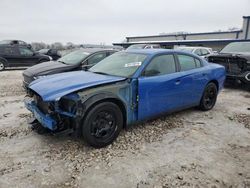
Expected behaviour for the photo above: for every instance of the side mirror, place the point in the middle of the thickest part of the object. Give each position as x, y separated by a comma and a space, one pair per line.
85, 67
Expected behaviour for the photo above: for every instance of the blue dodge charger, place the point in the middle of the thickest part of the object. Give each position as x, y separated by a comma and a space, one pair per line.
125, 88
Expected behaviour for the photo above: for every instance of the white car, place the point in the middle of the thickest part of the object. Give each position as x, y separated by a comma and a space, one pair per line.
200, 51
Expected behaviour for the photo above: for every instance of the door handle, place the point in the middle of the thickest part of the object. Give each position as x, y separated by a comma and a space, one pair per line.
177, 82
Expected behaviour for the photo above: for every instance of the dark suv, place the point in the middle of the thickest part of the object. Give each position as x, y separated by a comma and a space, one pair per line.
19, 56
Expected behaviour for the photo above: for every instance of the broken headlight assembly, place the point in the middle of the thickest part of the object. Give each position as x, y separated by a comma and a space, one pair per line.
69, 103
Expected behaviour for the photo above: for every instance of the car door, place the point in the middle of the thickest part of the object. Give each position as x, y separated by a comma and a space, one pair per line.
11, 54
159, 89
193, 79
93, 59
27, 57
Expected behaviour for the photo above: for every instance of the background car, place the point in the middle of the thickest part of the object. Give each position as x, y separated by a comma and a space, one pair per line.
198, 50
235, 57
144, 46
124, 88
19, 56
53, 53
81, 59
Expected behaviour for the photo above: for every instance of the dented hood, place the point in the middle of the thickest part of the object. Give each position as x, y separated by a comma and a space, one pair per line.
54, 87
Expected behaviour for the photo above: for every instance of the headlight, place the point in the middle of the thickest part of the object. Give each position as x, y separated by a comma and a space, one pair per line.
38, 77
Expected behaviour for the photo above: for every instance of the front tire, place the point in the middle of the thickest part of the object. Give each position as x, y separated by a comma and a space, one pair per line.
102, 124
209, 97
2, 67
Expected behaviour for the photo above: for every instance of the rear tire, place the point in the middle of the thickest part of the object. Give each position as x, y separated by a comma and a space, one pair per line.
2, 66
209, 97
102, 124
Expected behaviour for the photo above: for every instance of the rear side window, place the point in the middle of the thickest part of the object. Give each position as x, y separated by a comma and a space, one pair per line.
198, 52
9, 51
96, 58
186, 62
198, 63
25, 52
160, 65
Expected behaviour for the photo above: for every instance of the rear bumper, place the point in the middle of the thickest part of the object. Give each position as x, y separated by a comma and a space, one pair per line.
46, 120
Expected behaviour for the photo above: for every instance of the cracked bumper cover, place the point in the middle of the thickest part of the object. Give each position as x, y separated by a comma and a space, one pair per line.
46, 120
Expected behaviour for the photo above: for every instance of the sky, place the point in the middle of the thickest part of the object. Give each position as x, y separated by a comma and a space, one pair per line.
108, 21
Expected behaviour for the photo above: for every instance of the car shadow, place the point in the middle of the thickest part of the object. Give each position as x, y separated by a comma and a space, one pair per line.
237, 86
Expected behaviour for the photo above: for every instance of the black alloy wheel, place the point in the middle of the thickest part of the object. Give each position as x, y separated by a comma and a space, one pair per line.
102, 124
209, 97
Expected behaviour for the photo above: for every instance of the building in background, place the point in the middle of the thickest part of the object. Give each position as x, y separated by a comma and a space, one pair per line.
215, 40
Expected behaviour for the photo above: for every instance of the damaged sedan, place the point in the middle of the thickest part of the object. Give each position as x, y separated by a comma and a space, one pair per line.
123, 89
235, 57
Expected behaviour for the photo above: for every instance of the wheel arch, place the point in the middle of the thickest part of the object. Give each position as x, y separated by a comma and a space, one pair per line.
215, 82
100, 98
5, 61
41, 60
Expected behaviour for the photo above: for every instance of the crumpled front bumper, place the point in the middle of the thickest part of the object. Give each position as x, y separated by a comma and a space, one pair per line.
46, 120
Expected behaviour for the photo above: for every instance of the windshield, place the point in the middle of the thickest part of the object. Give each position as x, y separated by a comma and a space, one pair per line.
237, 47
73, 58
119, 64
136, 46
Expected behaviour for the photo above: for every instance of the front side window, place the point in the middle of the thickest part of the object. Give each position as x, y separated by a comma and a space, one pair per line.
25, 52
186, 62
119, 64
198, 52
96, 58
160, 65
204, 52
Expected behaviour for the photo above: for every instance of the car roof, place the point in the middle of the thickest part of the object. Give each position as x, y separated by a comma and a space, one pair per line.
193, 47
93, 50
152, 51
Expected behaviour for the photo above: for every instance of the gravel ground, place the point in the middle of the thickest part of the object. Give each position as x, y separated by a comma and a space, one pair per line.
189, 148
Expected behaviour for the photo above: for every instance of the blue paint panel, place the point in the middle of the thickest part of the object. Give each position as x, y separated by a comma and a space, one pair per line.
52, 87
158, 94
45, 120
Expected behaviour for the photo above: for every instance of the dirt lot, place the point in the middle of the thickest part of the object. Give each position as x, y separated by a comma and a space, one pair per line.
189, 148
